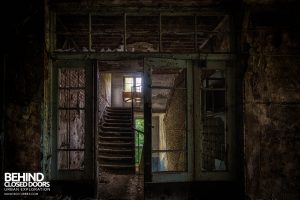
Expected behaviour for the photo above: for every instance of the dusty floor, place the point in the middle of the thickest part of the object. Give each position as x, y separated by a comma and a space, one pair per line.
121, 187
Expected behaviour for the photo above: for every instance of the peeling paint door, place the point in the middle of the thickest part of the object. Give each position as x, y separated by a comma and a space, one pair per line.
72, 127
168, 96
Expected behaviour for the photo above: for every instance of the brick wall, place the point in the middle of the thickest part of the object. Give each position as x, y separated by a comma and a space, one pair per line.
175, 126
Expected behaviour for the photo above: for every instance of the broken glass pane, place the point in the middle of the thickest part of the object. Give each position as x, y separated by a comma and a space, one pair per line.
214, 156
213, 79
214, 101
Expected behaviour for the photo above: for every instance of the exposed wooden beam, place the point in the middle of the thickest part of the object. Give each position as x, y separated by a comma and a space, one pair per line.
135, 55
125, 31
141, 11
214, 31
160, 34
195, 33
90, 32
68, 37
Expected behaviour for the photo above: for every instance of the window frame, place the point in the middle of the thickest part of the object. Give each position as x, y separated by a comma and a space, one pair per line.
134, 83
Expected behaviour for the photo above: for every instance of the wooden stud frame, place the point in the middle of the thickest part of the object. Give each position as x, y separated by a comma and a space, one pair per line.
129, 12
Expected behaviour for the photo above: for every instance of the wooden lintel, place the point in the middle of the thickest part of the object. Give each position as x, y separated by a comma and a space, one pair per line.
134, 55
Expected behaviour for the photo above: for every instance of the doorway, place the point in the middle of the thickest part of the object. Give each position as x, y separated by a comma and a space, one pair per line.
120, 127
169, 121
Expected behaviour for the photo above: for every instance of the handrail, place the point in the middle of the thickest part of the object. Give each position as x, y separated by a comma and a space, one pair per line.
133, 89
138, 131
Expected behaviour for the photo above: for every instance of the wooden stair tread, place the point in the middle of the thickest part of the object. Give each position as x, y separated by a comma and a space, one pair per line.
116, 141
117, 165
116, 157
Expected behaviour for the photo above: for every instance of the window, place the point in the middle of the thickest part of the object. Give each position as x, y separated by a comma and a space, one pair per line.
132, 89
132, 84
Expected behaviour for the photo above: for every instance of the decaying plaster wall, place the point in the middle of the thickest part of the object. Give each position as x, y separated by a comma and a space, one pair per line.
23, 53
117, 88
104, 92
271, 103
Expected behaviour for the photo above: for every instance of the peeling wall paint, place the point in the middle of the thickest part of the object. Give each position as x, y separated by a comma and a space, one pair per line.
272, 126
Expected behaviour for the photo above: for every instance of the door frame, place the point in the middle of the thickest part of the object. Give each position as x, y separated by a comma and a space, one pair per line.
150, 63
230, 173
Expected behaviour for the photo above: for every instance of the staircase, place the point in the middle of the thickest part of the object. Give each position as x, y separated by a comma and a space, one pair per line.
116, 141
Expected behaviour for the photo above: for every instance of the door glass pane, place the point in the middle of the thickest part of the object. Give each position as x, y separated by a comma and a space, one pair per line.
169, 103
169, 161
214, 155
71, 119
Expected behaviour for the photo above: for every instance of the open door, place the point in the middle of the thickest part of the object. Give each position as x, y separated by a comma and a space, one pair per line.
189, 120
72, 127
168, 120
